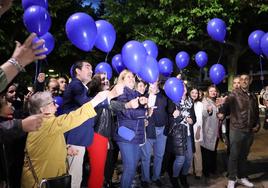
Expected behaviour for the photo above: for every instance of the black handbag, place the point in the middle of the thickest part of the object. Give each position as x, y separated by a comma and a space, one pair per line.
63, 181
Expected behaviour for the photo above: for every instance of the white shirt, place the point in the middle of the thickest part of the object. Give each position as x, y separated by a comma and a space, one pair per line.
198, 109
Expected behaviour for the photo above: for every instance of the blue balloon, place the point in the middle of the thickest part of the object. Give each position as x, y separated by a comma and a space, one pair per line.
264, 44
151, 48
134, 55
71, 71
58, 100
254, 41
49, 43
149, 72
104, 67
201, 59
216, 29
27, 3
37, 20
105, 36
182, 59
216, 73
81, 30
117, 63
174, 89
165, 66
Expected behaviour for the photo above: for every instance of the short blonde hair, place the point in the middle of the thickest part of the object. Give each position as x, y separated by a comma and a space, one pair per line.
122, 76
37, 101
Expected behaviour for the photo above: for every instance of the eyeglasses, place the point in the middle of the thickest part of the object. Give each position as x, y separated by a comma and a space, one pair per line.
51, 102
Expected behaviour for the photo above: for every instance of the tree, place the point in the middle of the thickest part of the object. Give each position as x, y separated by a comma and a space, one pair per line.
181, 25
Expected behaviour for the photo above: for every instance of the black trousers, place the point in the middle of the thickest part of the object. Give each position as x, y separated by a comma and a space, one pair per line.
209, 161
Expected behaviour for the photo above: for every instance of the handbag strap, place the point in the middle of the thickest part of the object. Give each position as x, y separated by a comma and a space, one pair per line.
31, 167
34, 173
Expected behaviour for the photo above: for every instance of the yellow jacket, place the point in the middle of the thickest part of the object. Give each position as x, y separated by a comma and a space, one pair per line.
47, 147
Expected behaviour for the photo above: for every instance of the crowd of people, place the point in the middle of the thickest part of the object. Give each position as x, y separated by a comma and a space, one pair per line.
41, 138
182, 137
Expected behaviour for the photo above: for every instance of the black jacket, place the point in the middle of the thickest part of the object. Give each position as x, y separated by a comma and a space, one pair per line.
104, 122
10, 130
159, 117
12, 143
177, 131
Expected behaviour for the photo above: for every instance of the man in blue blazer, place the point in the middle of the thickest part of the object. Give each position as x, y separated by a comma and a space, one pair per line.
75, 95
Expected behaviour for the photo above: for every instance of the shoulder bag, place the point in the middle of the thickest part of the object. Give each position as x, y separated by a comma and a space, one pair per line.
63, 181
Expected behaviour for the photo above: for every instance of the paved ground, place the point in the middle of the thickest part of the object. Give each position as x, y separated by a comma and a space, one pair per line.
258, 168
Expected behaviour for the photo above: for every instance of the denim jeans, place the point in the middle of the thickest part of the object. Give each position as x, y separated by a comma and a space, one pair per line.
158, 145
130, 154
183, 162
240, 143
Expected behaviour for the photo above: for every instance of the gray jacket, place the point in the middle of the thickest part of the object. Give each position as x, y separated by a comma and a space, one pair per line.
210, 125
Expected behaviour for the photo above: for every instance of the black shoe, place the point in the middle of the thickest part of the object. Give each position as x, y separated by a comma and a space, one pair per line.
175, 182
144, 184
158, 183
107, 184
183, 179
115, 184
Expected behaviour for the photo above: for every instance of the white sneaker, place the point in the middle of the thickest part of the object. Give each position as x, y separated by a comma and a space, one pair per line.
245, 182
231, 184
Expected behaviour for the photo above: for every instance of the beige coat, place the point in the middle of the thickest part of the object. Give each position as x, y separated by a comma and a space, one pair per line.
47, 147
210, 125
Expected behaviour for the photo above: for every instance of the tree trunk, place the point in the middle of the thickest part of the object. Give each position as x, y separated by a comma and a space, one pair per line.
232, 66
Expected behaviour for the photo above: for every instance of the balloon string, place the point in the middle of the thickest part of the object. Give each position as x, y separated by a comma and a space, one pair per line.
261, 61
221, 53
200, 75
106, 57
36, 71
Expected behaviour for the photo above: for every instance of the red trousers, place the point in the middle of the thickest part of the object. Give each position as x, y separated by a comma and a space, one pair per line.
97, 153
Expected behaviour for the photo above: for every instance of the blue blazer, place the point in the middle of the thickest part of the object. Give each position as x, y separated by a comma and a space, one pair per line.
75, 95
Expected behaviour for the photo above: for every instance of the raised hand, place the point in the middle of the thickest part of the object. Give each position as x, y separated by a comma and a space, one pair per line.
28, 52
134, 103
176, 113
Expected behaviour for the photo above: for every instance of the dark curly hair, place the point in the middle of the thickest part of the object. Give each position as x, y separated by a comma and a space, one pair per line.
95, 85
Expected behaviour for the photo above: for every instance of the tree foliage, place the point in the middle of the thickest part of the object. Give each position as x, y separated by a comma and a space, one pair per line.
174, 25
172, 22
181, 25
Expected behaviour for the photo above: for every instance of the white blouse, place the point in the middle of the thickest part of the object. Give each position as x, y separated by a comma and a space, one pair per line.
198, 109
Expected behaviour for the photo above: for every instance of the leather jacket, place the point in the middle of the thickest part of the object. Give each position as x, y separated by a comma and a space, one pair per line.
10, 130
176, 131
103, 122
244, 110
